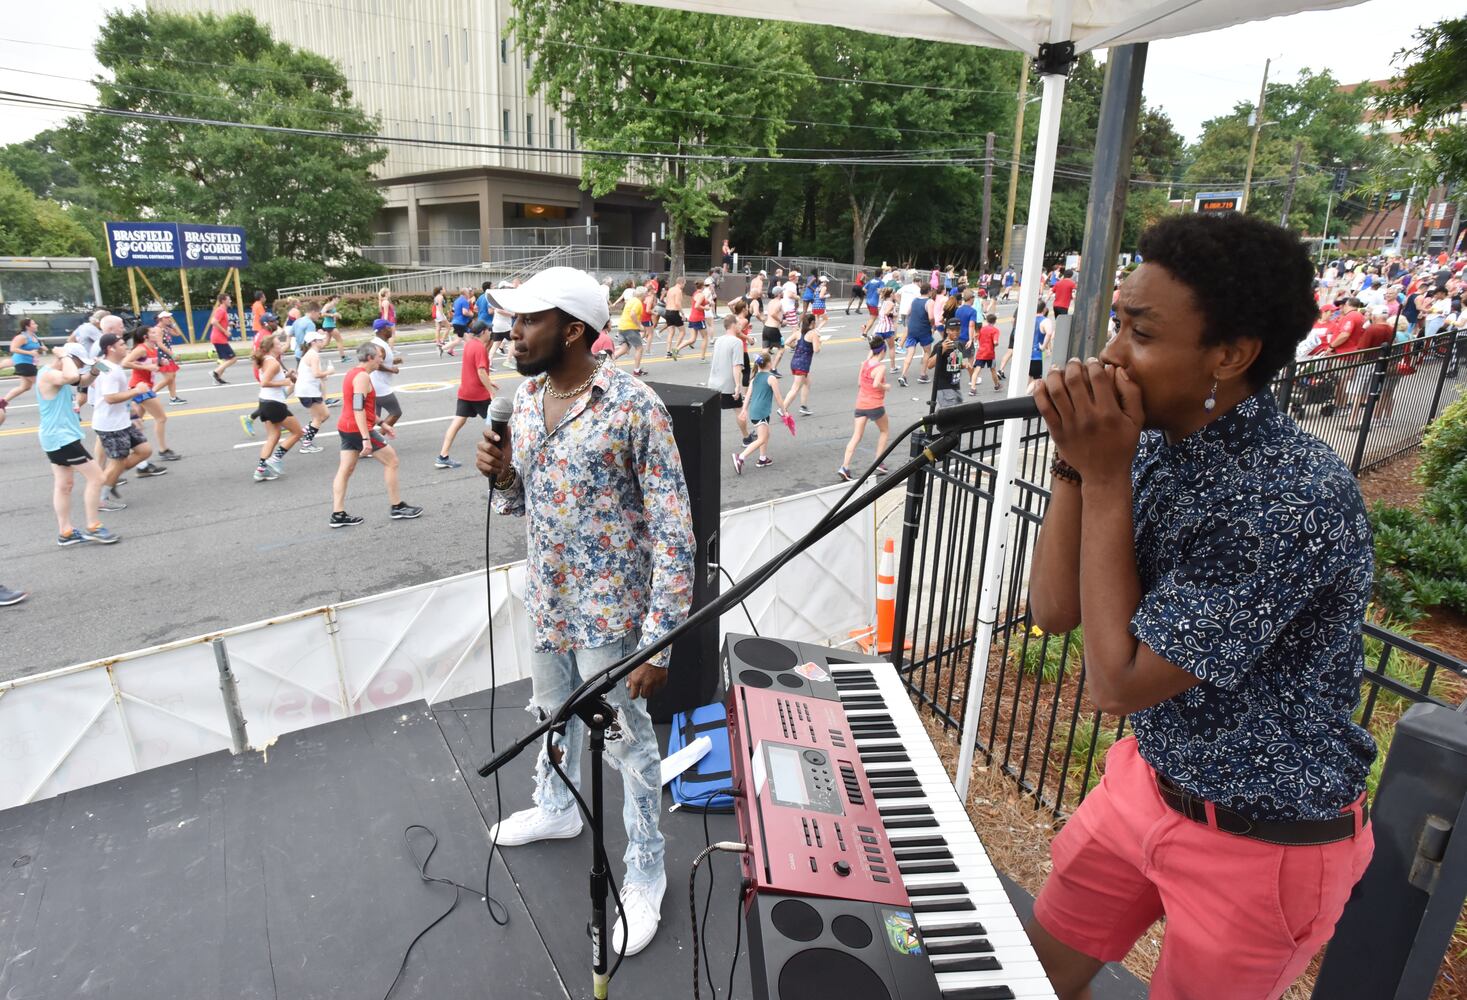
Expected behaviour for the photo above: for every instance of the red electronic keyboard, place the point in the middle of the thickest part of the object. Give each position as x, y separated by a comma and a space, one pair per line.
864, 877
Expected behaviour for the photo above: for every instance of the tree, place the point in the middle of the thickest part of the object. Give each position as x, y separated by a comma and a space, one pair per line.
1429, 96
308, 198
611, 71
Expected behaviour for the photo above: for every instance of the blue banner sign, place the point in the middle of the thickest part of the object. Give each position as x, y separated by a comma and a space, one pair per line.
143, 244
175, 244
212, 246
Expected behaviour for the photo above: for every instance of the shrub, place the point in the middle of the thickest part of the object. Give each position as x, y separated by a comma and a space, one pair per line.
1421, 556
359, 310
1049, 655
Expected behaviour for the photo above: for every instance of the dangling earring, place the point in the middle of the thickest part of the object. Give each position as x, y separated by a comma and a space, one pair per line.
1210, 403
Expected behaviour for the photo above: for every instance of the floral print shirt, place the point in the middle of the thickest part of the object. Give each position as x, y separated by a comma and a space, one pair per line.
1256, 562
610, 527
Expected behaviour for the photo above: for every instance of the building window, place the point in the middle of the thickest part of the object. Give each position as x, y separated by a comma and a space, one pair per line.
448, 125
504, 50
433, 127
572, 138
506, 127
465, 42
447, 50
428, 58
529, 130
468, 129
412, 62
550, 134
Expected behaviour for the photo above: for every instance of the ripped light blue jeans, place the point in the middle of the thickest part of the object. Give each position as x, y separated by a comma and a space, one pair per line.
632, 750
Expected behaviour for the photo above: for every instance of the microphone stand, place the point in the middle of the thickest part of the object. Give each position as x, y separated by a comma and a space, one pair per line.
588, 702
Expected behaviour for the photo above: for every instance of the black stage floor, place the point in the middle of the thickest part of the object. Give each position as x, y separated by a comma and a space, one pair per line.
286, 875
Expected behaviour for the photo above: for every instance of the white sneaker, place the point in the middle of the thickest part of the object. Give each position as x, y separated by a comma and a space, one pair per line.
530, 825
642, 902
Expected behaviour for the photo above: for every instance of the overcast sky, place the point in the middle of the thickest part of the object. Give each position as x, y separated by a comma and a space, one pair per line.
1192, 79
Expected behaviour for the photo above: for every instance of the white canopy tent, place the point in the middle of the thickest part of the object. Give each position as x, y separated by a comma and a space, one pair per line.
1054, 32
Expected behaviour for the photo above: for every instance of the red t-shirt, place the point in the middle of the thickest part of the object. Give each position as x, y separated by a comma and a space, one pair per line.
1064, 293
476, 359
987, 342
1353, 324
219, 326
1375, 335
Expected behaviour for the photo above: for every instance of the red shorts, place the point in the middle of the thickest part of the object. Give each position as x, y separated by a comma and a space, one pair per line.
873, 309
1238, 911
817, 312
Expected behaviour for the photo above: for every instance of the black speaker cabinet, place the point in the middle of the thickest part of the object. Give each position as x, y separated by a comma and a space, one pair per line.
693, 677
802, 947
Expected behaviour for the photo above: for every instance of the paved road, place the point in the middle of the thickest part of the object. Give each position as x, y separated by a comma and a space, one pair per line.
205, 547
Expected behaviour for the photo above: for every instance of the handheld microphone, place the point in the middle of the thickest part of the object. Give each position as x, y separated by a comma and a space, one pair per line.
499, 413
967, 416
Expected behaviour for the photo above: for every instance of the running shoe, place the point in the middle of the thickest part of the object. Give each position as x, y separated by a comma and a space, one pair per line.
310, 449
263, 474
444, 462
738, 461
805, 411
169, 455
120, 482
149, 471
99, 533
749, 438
440, 349
508, 365
176, 401
72, 537
341, 519
764, 462
217, 378
403, 511
110, 502
882, 470
247, 424
9, 597
639, 372
902, 381
333, 401
275, 465
923, 380
843, 473
972, 390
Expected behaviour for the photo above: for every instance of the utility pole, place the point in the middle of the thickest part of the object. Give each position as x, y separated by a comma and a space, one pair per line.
1324, 240
1008, 222
1253, 145
987, 198
1405, 218
1293, 179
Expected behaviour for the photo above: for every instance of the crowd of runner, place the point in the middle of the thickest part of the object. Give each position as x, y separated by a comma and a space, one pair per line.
919, 326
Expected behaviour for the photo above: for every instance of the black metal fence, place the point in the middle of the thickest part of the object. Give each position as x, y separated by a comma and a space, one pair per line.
1034, 720
1371, 406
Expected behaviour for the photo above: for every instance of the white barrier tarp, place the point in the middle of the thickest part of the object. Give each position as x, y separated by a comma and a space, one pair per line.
102, 720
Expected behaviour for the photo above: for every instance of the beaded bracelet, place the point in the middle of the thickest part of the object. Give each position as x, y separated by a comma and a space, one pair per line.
1061, 469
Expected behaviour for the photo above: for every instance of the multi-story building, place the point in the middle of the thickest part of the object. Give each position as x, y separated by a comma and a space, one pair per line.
449, 70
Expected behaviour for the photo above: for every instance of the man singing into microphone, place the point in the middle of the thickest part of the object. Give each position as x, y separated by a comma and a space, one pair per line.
592, 461
1220, 561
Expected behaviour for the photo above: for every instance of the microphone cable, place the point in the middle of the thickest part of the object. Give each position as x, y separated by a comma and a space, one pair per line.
501, 918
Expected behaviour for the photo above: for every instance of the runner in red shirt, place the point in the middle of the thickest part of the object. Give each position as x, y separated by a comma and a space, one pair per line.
219, 337
358, 411
987, 349
1352, 328
474, 392
1064, 293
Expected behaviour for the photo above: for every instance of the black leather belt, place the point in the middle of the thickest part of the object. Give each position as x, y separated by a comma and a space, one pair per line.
1295, 833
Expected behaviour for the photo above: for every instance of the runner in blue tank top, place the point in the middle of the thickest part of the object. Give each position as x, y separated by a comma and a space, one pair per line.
61, 439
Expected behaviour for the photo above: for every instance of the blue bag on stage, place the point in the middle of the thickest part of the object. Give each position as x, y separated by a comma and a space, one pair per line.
704, 785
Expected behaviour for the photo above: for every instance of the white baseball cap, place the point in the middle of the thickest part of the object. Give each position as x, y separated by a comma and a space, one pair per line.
78, 353
315, 336
568, 289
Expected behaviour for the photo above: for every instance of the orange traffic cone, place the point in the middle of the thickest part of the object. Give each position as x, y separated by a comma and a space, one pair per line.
885, 605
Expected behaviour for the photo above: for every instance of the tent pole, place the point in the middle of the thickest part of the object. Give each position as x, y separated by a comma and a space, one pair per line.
1110, 181
1054, 64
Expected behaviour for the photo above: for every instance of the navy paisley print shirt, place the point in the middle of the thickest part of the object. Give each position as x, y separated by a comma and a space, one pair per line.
1255, 558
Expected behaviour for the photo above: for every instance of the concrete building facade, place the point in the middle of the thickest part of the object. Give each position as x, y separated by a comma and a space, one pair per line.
448, 70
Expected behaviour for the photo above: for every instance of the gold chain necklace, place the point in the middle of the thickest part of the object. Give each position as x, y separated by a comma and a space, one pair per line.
550, 390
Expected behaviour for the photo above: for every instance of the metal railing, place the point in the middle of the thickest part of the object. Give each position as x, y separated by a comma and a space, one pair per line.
1371, 406
1034, 721
615, 263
